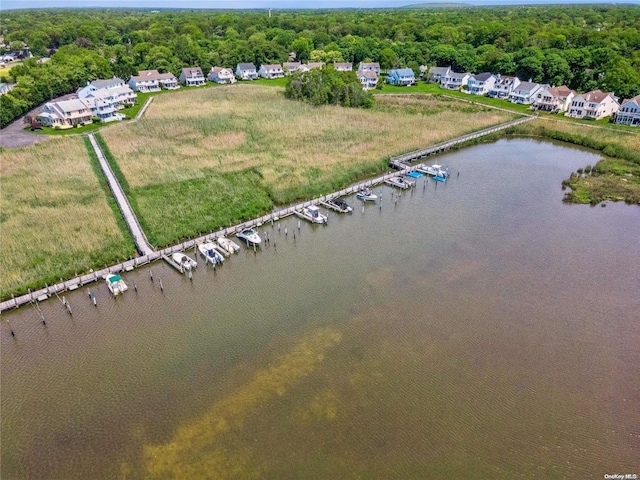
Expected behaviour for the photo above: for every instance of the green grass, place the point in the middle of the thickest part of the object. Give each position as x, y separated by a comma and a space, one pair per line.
276, 82
91, 127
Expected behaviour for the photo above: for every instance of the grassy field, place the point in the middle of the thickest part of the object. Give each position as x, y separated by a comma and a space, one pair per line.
208, 158
617, 177
55, 219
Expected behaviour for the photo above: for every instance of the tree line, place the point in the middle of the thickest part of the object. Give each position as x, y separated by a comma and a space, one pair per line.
584, 47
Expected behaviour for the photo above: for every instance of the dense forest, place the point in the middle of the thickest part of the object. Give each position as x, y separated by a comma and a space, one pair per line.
584, 47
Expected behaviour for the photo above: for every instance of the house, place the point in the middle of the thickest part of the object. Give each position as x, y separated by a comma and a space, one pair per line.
503, 86
104, 108
192, 77
271, 71
246, 71
108, 83
454, 81
6, 88
105, 97
290, 67
401, 77
594, 105
525, 93
554, 99
436, 74
152, 80
481, 83
222, 75
343, 67
629, 112
374, 67
368, 79
65, 114
310, 66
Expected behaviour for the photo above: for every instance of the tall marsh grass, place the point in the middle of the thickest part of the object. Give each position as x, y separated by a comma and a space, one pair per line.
55, 219
190, 144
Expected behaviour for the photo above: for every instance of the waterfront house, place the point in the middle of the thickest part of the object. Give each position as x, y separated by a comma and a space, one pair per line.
401, 77
503, 86
525, 93
6, 88
152, 81
554, 99
436, 74
629, 112
192, 77
271, 71
105, 98
373, 66
221, 75
65, 114
455, 81
368, 79
290, 67
310, 66
343, 66
246, 71
593, 105
480, 83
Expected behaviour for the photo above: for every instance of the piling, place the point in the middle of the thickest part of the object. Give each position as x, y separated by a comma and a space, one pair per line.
161, 286
151, 274
95, 302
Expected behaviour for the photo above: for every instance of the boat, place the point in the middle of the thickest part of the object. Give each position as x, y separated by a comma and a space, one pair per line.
399, 182
250, 236
186, 262
210, 253
339, 205
366, 195
228, 245
115, 284
435, 171
312, 214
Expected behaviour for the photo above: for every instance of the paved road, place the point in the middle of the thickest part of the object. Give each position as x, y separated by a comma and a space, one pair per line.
127, 212
14, 135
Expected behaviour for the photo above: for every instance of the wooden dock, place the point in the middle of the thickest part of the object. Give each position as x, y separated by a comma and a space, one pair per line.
149, 255
401, 162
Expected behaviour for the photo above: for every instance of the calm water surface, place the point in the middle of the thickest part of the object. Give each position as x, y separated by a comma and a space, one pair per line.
477, 329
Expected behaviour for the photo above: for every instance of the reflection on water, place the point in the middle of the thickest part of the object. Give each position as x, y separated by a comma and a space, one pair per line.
479, 328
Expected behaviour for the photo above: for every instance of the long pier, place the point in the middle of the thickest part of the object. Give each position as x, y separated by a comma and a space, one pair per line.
401, 162
148, 254
140, 239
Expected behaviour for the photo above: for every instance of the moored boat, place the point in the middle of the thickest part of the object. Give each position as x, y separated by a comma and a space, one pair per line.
250, 236
186, 262
366, 195
210, 253
228, 245
312, 214
115, 284
399, 182
338, 204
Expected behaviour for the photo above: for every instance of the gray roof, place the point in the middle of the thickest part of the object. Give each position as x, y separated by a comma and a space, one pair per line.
458, 75
246, 66
439, 70
482, 77
527, 86
107, 83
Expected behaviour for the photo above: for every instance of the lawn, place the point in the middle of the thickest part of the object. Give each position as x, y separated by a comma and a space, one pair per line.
56, 218
210, 157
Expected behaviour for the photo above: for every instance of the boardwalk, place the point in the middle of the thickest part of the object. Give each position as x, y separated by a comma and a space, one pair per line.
140, 239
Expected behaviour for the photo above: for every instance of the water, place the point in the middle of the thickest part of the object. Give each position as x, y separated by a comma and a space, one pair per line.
475, 329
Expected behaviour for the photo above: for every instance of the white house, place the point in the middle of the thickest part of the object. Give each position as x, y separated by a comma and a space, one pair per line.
65, 114
310, 66
481, 83
593, 105
525, 93
290, 67
192, 77
436, 74
629, 112
455, 81
222, 75
554, 99
105, 101
152, 80
373, 66
246, 71
503, 86
6, 88
271, 71
343, 67
368, 79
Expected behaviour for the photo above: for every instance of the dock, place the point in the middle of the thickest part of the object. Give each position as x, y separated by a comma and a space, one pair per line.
173, 264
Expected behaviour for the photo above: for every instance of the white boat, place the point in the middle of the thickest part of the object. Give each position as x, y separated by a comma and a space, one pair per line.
228, 245
339, 205
186, 262
250, 236
399, 182
434, 170
210, 253
115, 284
366, 195
312, 214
